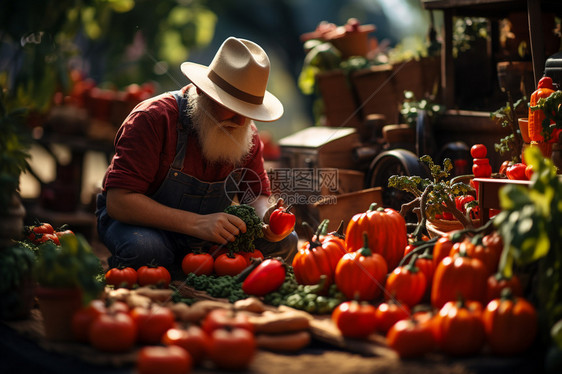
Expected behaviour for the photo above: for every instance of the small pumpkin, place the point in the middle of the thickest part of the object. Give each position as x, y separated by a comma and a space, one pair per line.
406, 284
316, 258
387, 233
510, 323
459, 275
360, 275
476, 247
459, 328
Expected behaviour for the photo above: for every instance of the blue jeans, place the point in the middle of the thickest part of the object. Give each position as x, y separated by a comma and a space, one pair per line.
136, 246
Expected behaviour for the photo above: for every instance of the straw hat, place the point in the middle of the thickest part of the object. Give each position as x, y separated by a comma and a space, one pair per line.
237, 78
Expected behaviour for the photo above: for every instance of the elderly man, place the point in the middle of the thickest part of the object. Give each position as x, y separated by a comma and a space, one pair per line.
166, 189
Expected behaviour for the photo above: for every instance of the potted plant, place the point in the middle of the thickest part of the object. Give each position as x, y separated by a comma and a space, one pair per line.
438, 203
14, 145
510, 116
68, 276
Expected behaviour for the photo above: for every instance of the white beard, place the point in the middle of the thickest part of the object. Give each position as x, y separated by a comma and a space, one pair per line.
220, 141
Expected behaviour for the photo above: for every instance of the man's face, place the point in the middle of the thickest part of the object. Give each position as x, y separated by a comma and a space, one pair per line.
224, 135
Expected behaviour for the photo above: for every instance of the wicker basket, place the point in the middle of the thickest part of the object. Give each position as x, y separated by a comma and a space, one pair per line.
439, 227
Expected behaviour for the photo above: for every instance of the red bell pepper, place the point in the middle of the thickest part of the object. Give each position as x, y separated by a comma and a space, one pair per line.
281, 221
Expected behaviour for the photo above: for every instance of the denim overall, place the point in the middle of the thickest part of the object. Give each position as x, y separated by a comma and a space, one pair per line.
138, 245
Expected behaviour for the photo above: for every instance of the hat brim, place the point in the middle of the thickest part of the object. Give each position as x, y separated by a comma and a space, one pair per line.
269, 110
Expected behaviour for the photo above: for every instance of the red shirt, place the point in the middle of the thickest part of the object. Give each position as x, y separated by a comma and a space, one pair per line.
145, 146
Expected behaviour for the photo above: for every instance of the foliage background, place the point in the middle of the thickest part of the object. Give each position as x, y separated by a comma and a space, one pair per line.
119, 42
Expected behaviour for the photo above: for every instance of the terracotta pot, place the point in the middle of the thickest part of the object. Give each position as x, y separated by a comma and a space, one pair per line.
57, 306
524, 128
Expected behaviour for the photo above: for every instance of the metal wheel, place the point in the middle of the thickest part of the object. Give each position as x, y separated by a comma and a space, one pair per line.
394, 162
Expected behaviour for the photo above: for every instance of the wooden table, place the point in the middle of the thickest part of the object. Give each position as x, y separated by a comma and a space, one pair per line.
488, 194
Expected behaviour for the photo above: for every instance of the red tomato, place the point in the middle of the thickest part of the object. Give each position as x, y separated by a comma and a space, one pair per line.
41, 233
516, 171
124, 277
83, 318
198, 263
113, 332
169, 360
193, 339
63, 233
388, 313
230, 264
225, 318
152, 323
478, 151
232, 349
281, 221
529, 172
354, 319
481, 168
155, 275
256, 253
267, 277
504, 166
411, 338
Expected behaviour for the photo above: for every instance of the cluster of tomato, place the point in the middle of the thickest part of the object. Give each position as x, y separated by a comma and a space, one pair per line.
219, 261
227, 339
44, 232
147, 275
453, 300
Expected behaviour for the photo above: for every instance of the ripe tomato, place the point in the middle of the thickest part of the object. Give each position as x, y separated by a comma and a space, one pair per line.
193, 339
124, 277
478, 151
256, 253
152, 323
113, 332
267, 277
154, 275
232, 349
230, 264
198, 263
354, 319
83, 318
388, 313
41, 233
169, 360
516, 171
63, 233
225, 318
411, 338
281, 221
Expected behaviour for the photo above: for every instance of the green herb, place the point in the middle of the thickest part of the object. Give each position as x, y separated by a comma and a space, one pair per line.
244, 242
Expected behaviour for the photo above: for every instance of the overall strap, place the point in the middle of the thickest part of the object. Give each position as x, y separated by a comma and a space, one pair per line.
183, 127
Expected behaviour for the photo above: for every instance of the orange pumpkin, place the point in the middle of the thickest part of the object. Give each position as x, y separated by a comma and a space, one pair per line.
456, 276
476, 248
386, 230
316, 258
360, 275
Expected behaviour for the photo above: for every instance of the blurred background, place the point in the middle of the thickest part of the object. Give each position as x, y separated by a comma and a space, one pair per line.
51, 52
79, 66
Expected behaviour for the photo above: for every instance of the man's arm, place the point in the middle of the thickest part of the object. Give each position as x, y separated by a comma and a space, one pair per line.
138, 209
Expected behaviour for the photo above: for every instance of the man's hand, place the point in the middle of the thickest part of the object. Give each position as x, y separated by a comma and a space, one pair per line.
220, 228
